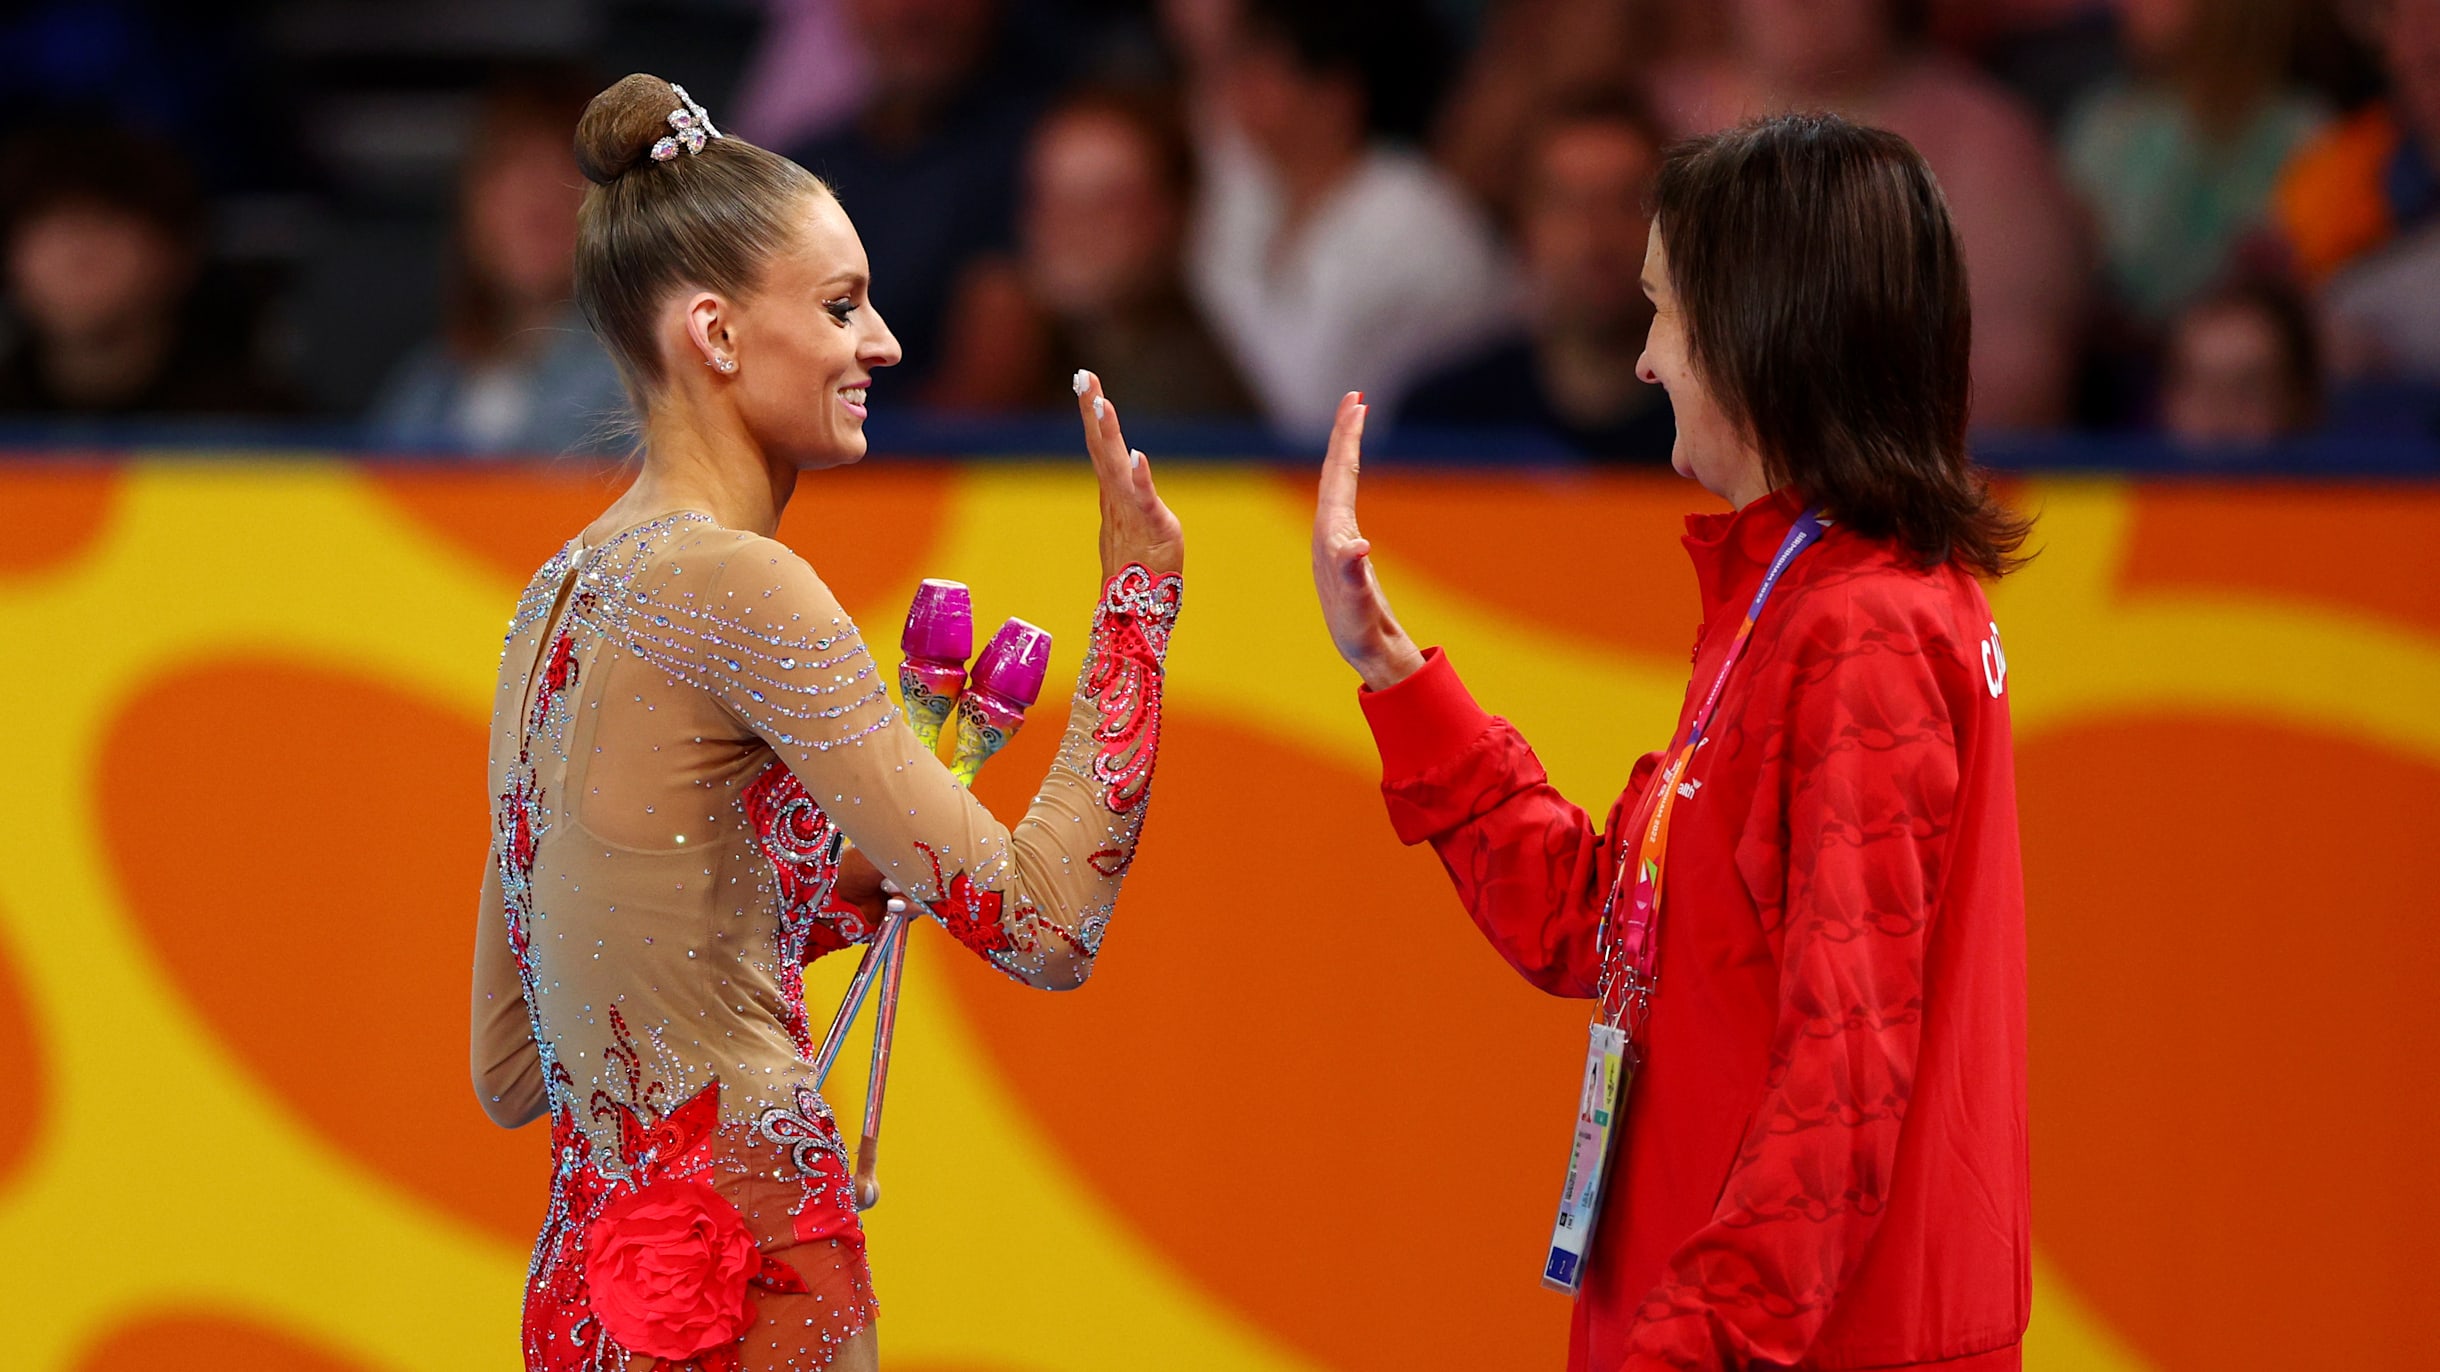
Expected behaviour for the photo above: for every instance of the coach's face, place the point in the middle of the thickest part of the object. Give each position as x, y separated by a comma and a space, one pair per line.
1710, 449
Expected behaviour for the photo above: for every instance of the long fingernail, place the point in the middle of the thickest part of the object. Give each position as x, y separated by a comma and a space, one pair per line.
1100, 407
1135, 457
1081, 380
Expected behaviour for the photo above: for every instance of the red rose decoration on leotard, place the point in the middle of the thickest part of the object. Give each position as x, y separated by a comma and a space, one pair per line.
667, 1270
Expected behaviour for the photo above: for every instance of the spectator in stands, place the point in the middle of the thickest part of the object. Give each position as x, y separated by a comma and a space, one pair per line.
2049, 53
516, 368
807, 77
929, 165
2243, 370
1532, 52
1866, 59
1098, 281
2178, 160
1328, 257
1583, 227
104, 251
2360, 210
1198, 35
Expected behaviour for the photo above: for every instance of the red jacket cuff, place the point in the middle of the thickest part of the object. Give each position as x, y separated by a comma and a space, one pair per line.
1423, 721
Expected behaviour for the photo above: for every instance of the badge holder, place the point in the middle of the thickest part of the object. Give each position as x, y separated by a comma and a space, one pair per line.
1609, 1068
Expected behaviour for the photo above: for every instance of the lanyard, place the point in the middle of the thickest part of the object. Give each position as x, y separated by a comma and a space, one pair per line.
1626, 976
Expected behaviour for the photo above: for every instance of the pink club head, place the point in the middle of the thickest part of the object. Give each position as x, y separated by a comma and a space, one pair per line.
940, 624
1014, 664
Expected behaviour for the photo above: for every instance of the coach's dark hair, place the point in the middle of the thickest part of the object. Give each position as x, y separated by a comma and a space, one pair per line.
710, 220
1825, 303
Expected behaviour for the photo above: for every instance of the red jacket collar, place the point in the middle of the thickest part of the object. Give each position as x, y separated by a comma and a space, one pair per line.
1731, 551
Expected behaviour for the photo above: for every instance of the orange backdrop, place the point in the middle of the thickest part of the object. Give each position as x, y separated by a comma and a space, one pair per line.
1302, 1118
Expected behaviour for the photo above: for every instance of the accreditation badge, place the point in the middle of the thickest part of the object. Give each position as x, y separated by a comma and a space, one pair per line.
1609, 1065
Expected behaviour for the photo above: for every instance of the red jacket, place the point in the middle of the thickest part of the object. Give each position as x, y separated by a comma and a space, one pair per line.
1823, 1161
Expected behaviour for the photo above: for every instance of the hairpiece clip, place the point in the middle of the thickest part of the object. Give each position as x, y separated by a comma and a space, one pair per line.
692, 127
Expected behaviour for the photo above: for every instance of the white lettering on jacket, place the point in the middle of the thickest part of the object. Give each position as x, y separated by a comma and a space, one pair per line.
1995, 663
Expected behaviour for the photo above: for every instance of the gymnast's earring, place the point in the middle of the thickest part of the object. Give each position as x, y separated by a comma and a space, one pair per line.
724, 365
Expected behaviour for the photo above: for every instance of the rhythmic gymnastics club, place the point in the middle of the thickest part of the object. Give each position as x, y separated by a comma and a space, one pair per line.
1007, 681
937, 640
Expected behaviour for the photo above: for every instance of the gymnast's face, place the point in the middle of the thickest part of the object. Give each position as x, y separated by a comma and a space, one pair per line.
1709, 447
806, 344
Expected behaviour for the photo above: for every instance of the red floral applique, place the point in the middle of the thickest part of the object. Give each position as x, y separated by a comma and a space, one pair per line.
780, 1277
800, 841
810, 1135
517, 815
673, 1140
1126, 684
517, 804
970, 913
651, 1256
667, 1268
983, 921
1130, 637
560, 672
802, 845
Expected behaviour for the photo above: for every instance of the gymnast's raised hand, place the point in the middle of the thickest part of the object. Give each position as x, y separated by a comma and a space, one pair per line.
1136, 526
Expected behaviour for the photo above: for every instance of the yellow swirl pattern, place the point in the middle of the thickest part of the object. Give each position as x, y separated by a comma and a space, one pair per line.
241, 1206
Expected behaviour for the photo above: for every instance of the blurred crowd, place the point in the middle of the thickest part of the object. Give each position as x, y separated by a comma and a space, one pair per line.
2214, 219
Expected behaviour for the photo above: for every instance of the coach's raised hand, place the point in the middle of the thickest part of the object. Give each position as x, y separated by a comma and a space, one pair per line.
1361, 625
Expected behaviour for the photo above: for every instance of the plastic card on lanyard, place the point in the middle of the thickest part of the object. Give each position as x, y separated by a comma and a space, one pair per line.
1625, 982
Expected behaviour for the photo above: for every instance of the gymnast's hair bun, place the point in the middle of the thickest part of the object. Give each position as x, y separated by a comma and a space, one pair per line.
621, 125
675, 204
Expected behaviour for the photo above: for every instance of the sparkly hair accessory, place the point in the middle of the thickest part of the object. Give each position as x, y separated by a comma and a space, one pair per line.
692, 127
